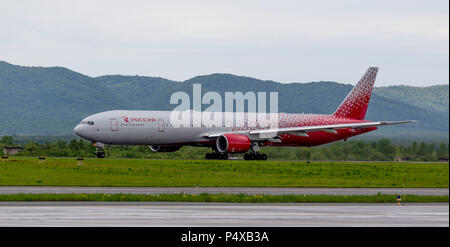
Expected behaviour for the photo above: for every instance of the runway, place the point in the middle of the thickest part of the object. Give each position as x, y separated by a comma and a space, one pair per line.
220, 214
225, 190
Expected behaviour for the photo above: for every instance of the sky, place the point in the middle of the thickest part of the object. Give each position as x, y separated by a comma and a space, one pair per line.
284, 41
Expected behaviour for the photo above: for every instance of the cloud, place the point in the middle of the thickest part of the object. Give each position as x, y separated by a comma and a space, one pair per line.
283, 40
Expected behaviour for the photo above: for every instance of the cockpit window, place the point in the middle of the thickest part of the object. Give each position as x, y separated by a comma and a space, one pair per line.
87, 122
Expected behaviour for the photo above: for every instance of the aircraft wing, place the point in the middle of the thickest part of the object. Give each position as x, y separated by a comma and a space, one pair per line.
302, 131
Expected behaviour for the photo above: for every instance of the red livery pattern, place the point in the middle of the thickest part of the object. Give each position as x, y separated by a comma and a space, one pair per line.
355, 104
317, 137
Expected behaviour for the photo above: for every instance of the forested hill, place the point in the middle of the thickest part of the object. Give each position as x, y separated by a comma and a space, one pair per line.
52, 100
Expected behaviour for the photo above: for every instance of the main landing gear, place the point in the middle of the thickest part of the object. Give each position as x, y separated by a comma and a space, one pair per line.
254, 153
255, 156
224, 156
216, 156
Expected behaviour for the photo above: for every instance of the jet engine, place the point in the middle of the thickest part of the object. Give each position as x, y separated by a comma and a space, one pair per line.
164, 149
233, 143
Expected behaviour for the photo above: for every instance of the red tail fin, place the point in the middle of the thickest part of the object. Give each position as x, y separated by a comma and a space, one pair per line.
355, 104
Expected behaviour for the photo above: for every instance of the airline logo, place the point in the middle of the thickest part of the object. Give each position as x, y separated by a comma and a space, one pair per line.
141, 119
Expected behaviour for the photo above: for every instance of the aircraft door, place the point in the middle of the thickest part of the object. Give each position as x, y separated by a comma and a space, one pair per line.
161, 125
114, 124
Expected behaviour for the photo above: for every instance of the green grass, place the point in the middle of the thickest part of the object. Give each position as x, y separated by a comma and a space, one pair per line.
207, 173
240, 198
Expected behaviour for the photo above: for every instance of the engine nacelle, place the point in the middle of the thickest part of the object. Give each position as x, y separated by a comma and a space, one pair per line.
233, 143
164, 149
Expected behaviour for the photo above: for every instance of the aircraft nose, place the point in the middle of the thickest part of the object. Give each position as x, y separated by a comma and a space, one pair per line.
77, 129
84, 131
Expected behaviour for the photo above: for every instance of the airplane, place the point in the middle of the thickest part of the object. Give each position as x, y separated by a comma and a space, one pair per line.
154, 128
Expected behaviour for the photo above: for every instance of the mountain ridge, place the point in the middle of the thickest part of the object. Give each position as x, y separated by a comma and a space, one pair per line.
54, 99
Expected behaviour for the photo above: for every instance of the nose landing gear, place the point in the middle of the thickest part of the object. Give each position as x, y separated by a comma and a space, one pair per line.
100, 154
99, 149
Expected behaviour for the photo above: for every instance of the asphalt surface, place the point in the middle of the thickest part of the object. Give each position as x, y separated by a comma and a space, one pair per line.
226, 190
220, 214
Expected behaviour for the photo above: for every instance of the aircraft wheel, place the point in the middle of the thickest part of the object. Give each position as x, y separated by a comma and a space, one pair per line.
246, 156
100, 155
252, 157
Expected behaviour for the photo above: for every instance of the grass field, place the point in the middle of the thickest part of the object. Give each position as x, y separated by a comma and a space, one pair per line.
240, 198
146, 172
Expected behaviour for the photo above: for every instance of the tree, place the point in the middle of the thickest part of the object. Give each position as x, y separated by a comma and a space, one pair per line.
384, 146
442, 152
7, 140
32, 147
414, 149
422, 149
61, 144
74, 146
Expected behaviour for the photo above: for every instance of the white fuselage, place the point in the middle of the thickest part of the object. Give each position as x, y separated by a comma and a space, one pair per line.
127, 127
